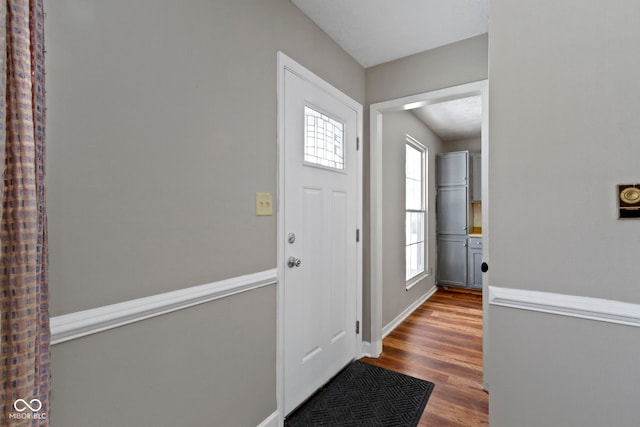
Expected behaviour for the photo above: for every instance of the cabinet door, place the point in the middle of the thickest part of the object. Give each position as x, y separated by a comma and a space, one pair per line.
452, 261
452, 210
476, 178
474, 264
452, 168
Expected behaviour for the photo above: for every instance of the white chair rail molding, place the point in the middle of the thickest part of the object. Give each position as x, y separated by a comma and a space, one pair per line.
598, 309
82, 323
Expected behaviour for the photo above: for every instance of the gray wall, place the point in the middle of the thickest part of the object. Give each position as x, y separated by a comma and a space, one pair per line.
179, 369
446, 66
161, 128
395, 127
451, 65
564, 93
470, 144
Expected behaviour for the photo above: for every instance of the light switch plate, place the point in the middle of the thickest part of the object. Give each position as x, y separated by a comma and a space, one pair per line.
264, 204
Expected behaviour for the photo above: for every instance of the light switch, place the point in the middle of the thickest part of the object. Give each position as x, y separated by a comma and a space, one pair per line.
264, 204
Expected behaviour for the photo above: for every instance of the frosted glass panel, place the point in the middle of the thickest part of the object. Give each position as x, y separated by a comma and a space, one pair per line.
323, 139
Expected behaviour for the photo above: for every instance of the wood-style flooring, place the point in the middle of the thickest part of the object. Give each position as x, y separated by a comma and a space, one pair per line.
441, 342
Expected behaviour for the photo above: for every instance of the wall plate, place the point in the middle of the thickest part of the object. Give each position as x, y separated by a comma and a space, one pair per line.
264, 204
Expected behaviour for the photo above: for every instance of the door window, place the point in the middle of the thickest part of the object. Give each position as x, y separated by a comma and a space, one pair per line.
323, 140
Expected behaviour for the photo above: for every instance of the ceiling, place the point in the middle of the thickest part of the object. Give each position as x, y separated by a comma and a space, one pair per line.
378, 31
453, 120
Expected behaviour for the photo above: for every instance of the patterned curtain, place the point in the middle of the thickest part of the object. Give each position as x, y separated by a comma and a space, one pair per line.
24, 326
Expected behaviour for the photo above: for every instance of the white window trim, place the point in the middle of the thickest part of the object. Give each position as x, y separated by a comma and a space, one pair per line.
412, 281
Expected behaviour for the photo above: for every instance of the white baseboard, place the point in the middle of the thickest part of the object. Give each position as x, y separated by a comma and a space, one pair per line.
366, 349
270, 421
75, 325
597, 309
386, 330
376, 348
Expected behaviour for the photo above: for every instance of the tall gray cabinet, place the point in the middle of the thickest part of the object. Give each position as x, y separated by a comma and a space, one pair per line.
458, 264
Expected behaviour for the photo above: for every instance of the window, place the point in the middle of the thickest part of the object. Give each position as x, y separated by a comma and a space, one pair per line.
323, 140
415, 221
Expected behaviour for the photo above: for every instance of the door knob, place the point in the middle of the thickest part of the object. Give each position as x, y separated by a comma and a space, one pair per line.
294, 262
484, 267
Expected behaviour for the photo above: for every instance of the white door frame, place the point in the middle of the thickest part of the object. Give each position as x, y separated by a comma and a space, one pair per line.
285, 63
375, 153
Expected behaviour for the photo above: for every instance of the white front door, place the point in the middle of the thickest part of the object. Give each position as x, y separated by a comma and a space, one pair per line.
320, 254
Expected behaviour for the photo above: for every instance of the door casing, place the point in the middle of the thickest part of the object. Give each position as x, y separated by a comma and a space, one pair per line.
286, 63
374, 348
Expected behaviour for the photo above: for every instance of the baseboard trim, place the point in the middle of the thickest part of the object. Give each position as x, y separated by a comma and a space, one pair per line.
598, 309
79, 324
366, 349
270, 421
407, 312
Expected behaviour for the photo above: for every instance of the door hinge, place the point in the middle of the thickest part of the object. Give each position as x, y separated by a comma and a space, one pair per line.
357, 235
357, 143
357, 326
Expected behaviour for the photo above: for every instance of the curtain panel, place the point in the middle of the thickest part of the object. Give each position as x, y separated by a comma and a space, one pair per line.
24, 325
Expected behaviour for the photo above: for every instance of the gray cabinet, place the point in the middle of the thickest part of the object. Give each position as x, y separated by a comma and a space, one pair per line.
452, 168
452, 217
474, 263
476, 177
452, 200
452, 260
452, 210
459, 183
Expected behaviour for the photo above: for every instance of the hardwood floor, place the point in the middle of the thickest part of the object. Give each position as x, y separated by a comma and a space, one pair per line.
441, 342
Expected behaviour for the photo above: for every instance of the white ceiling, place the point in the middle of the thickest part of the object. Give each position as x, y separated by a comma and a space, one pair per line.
379, 31
453, 120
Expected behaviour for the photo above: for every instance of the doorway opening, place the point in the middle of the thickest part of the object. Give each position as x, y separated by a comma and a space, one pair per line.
377, 110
